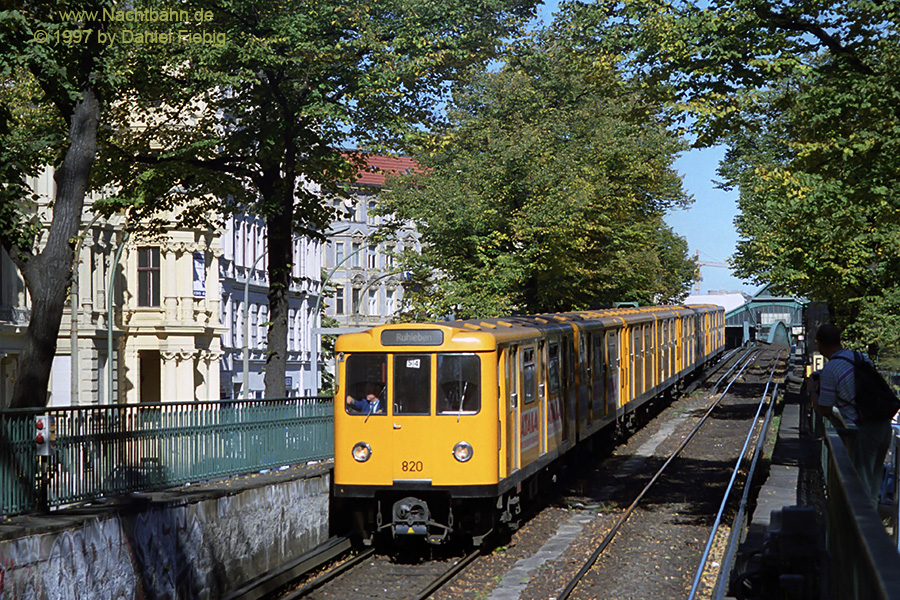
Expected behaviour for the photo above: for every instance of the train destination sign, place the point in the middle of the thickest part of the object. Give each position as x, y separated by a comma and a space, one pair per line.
412, 337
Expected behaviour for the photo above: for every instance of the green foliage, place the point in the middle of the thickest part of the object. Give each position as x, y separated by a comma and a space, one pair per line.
544, 193
288, 85
327, 387
806, 96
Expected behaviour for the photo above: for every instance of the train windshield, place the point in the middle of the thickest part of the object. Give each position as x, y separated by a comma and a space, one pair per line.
412, 384
458, 376
366, 377
457, 387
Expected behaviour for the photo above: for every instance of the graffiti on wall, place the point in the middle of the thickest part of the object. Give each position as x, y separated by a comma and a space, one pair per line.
191, 551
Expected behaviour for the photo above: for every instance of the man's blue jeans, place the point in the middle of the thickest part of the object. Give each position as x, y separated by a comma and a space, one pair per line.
870, 446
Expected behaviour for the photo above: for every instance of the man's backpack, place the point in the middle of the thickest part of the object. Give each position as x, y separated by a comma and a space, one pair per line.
875, 400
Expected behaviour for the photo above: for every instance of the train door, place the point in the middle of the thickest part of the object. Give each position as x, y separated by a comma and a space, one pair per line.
648, 357
567, 388
677, 343
530, 409
662, 345
598, 404
584, 393
625, 360
673, 351
541, 374
412, 376
698, 335
555, 396
689, 341
612, 372
512, 409
637, 350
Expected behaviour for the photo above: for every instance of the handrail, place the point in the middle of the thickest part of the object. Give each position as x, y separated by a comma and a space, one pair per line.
864, 560
106, 450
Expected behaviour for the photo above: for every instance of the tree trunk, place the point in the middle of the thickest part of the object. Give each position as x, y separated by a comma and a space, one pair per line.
279, 233
48, 274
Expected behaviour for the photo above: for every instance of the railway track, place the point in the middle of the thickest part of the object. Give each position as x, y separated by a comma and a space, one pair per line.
733, 376
370, 575
602, 573
675, 535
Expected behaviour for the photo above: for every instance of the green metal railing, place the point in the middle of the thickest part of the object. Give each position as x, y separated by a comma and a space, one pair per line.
864, 562
102, 451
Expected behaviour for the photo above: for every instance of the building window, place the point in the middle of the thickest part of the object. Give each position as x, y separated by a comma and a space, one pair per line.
372, 258
148, 276
373, 302
389, 303
389, 257
291, 343
371, 213
339, 300
237, 248
263, 332
338, 253
355, 247
354, 305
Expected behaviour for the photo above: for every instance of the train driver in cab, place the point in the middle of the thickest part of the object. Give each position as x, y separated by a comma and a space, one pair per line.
371, 404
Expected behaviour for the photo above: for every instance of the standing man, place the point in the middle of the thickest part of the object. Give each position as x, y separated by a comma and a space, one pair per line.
837, 387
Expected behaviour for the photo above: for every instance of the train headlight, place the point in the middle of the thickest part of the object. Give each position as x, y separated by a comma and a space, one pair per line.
361, 452
462, 451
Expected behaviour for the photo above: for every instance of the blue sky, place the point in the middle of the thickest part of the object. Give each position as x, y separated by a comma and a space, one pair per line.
708, 225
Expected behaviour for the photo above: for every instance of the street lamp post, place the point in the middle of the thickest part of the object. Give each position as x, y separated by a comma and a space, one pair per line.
110, 291
246, 345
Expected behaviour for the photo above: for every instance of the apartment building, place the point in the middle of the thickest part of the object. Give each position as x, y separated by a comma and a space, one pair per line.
244, 305
175, 323
365, 284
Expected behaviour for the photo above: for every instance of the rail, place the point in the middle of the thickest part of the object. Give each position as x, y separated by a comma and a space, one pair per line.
108, 450
745, 360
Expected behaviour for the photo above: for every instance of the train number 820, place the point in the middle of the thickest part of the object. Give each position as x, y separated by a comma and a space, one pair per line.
412, 466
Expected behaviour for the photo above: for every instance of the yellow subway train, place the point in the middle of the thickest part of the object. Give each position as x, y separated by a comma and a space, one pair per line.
448, 429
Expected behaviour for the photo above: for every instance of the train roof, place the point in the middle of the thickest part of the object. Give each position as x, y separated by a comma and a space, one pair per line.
474, 335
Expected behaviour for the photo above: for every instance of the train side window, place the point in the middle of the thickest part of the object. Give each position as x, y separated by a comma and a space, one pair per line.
366, 383
553, 368
598, 355
458, 378
529, 383
412, 384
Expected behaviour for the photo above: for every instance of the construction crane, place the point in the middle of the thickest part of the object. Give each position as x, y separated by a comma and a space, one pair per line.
704, 263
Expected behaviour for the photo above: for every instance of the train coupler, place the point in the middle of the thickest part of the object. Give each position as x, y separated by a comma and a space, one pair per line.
411, 517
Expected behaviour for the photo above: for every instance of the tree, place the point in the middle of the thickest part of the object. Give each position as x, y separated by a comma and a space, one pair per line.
282, 88
52, 96
805, 94
544, 193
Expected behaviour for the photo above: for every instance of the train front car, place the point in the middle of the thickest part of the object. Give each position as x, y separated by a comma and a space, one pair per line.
416, 431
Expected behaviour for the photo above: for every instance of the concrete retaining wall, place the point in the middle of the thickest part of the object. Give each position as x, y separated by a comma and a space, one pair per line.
192, 544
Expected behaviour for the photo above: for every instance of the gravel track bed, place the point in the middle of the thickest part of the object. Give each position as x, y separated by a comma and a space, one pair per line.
656, 553
385, 577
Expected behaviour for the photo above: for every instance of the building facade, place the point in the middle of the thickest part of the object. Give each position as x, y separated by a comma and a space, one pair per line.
243, 273
175, 326
365, 283
189, 313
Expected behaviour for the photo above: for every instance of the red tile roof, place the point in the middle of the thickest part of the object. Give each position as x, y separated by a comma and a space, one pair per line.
378, 167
